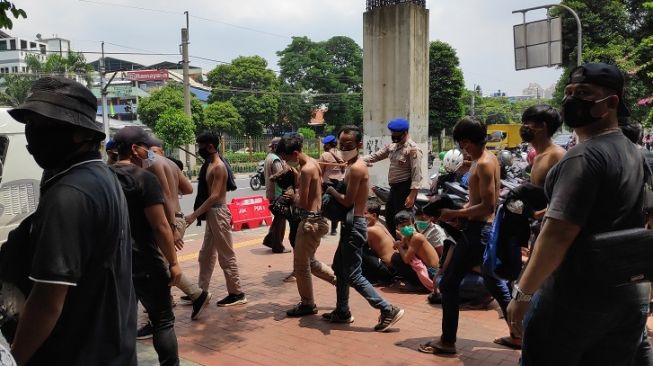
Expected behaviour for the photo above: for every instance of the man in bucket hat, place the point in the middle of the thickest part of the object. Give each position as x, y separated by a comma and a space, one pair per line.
81, 309
573, 314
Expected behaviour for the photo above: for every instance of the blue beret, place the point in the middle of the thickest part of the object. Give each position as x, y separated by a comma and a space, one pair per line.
398, 125
110, 144
328, 139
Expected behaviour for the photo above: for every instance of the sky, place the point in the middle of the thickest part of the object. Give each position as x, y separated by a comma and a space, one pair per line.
479, 30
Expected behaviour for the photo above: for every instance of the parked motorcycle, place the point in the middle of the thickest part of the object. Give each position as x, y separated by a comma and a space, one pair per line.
257, 180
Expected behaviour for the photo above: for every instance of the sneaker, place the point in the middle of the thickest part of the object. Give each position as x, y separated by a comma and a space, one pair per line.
186, 300
389, 318
434, 298
145, 332
337, 317
199, 304
232, 300
302, 310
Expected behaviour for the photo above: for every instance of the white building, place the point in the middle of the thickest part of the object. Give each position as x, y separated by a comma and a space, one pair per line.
13, 51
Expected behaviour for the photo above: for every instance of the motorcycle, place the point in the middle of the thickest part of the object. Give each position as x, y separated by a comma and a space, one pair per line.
257, 180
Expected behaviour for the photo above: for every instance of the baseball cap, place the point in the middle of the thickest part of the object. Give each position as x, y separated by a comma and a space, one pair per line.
133, 135
605, 75
61, 99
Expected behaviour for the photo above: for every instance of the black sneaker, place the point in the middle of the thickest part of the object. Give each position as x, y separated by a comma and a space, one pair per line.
302, 310
145, 332
232, 300
434, 298
337, 317
389, 318
186, 300
199, 304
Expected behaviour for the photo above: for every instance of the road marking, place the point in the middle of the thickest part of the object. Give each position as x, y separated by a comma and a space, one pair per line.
242, 244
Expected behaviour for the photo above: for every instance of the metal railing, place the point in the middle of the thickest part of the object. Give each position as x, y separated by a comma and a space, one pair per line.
373, 4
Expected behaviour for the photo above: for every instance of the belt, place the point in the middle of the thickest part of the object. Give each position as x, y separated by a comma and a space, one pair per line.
305, 214
179, 215
218, 205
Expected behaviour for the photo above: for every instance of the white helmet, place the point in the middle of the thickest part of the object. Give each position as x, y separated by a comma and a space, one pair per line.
453, 160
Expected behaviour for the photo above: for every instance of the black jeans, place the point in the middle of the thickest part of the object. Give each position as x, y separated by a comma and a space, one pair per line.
153, 292
562, 332
467, 254
396, 202
374, 269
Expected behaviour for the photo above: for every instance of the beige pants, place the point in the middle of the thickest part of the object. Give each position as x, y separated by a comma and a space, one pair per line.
218, 244
309, 234
185, 285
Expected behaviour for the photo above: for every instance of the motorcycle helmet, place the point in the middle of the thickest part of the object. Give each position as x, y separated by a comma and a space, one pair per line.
505, 158
453, 160
441, 155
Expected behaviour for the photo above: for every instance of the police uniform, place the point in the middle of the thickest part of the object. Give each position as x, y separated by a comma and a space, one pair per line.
405, 171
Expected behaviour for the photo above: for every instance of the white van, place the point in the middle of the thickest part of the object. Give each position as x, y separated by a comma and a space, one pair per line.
20, 176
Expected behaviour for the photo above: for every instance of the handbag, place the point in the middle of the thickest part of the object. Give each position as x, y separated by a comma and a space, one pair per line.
281, 206
623, 257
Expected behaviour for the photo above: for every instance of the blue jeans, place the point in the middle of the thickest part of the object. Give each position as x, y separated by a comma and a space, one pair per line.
347, 266
467, 253
558, 331
152, 290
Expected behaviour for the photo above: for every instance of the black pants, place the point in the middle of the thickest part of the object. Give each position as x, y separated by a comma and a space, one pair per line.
374, 269
274, 238
152, 290
396, 202
294, 225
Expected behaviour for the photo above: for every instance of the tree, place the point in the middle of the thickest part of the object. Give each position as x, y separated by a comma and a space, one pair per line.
221, 117
295, 107
175, 128
170, 96
5, 20
446, 87
251, 87
74, 64
308, 133
16, 88
331, 70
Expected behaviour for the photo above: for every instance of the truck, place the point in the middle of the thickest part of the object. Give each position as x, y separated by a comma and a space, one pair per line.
20, 176
503, 137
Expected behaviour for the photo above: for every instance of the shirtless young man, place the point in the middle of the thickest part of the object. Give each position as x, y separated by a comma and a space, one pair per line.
353, 237
416, 261
377, 255
539, 123
217, 235
311, 229
484, 183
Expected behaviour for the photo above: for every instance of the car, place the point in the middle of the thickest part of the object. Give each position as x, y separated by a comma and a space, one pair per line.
562, 139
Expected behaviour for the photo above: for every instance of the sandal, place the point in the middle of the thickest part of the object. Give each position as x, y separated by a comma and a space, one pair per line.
438, 348
507, 342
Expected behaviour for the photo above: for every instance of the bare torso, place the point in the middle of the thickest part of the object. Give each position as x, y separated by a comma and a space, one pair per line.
543, 162
310, 179
172, 175
381, 242
360, 201
475, 195
216, 178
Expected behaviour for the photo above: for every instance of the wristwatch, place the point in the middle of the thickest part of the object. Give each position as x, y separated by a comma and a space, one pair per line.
519, 296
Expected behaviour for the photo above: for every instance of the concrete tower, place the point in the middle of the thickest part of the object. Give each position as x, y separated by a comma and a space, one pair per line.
395, 76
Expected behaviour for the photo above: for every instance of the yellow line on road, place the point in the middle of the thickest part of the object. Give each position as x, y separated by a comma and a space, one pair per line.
246, 243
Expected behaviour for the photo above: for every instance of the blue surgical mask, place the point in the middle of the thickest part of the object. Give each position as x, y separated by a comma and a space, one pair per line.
422, 225
407, 231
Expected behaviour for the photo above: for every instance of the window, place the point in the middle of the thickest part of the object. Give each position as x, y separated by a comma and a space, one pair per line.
3, 45
23, 44
32, 45
14, 69
12, 44
42, 47
24, 69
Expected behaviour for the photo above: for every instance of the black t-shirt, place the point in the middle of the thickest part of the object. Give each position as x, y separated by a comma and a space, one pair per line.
142, 190
80, 233
597, 186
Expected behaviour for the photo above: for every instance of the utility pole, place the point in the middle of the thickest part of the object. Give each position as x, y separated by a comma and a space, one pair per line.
185, 62
103, 92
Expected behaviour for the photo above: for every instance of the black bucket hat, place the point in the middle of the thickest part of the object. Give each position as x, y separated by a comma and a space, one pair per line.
63, 100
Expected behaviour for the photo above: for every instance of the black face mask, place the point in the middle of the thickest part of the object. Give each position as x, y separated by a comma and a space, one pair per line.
204, 153
397, 139
527, 134
577, 112
50, 146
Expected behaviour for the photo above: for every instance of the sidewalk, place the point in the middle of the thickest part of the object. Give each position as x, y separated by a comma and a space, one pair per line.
259, 333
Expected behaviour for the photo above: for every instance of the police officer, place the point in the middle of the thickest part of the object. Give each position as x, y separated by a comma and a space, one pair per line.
405, 175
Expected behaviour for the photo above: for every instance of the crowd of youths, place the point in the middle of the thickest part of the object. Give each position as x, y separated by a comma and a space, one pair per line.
122, 224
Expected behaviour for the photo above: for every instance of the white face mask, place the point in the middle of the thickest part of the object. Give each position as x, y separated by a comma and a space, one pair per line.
349, 154
149, 161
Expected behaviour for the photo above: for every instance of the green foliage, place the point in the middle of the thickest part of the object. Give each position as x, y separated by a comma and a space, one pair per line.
16, 89
331, 67
446, 87
55, 64
294, 109
222, 117
493, 110
251, 87
175, 128
308, 133
170, 96
16, 13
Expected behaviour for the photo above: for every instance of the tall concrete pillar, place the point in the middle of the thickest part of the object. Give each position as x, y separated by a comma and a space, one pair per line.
395, 76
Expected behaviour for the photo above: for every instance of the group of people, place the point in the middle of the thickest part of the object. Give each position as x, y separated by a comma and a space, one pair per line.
105, 236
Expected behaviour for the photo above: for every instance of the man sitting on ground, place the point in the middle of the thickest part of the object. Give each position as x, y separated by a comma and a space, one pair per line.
377, 254
416, 260
434, 233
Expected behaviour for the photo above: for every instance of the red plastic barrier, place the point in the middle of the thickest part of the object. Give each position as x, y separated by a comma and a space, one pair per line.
249, 211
